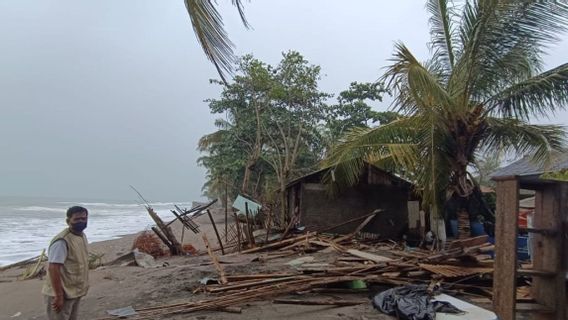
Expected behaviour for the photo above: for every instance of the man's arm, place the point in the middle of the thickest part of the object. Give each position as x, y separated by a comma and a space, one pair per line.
57, 254
54, 270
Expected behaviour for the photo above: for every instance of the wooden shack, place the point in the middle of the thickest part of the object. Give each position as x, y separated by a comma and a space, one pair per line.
309, 198
549, 240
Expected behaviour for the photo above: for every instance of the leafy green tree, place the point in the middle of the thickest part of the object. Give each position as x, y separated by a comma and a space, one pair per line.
270, 133
291, 128
354, 109
477, 92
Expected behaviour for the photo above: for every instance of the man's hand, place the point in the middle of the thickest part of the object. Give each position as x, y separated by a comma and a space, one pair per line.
57, 303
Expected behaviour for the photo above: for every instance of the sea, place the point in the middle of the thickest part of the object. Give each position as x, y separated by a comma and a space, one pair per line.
27, 225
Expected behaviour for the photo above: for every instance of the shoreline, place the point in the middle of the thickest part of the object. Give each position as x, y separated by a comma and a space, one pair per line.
113, 286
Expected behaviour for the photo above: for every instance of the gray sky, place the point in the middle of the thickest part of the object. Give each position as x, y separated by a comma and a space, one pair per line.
97, 95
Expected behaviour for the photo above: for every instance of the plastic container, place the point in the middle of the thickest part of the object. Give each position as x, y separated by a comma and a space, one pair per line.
477, 229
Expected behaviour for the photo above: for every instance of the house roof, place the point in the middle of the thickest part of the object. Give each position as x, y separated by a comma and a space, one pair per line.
528, 167
311, 174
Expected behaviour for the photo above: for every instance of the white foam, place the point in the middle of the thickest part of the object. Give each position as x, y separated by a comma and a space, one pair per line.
37, 208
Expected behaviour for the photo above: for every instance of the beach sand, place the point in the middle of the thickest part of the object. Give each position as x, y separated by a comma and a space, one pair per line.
114, 287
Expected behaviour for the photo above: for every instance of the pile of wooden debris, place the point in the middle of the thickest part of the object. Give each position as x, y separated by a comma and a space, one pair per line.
343, 264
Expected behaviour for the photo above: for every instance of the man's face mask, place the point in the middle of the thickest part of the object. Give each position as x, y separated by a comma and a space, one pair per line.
78, 222
79, 226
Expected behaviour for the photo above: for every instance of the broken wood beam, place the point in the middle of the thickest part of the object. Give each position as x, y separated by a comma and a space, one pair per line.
288, 227
215, 260
279, 243
359, 227
163, 238
348, 222
216, 232
175, 246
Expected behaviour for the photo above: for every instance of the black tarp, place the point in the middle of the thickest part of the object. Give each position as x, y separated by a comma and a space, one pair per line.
411, 302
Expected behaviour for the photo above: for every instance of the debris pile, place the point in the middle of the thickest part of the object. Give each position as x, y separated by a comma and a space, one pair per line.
342, 264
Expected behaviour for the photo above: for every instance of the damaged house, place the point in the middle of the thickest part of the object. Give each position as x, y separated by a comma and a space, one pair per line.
309, 198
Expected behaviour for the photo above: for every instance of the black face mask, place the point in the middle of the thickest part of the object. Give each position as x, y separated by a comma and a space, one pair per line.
79, 226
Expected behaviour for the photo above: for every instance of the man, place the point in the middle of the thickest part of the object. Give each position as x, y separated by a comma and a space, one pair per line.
68, 271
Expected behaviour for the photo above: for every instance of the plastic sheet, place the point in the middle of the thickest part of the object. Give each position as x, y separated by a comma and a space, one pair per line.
412, 302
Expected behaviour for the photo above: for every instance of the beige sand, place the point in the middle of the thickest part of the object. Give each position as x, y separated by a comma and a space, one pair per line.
115, 286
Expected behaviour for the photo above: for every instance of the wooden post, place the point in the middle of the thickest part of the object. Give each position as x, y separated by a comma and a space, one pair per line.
226, 211
216, 232
550, 203
504, 276
268, 224
239, 243
249, 226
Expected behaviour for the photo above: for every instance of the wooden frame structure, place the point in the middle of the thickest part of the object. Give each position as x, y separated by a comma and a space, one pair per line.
549, 244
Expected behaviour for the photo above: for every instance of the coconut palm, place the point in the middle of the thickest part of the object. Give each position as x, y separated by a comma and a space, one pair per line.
208, 27
476, 94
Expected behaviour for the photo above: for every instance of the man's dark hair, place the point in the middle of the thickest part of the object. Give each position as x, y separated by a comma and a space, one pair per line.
76, 209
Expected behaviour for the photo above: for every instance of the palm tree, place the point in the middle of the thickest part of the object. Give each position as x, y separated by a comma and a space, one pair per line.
208, 27
476, 94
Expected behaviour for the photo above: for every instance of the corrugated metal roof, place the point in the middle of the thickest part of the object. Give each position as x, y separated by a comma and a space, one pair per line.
528, 167
527, 203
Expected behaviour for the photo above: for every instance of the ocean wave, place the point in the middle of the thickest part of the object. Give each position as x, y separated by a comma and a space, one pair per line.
38, 208
113, 205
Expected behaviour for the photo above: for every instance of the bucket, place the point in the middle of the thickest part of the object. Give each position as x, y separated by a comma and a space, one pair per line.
477, 229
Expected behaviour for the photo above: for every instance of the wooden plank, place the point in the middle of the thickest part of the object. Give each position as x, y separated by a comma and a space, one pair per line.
279, 243
215, 260
504, 276
321, 302
533, 308
469, 242
368, 256
536, 273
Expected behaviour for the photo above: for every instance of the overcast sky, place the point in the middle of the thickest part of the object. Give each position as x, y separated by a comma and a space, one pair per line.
98, 95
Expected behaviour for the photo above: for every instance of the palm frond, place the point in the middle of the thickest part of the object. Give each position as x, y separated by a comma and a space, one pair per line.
509, 134
209, 139
492, 29
442, 30
209, 29
241, 9
536, 96
414, 85
394, 140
